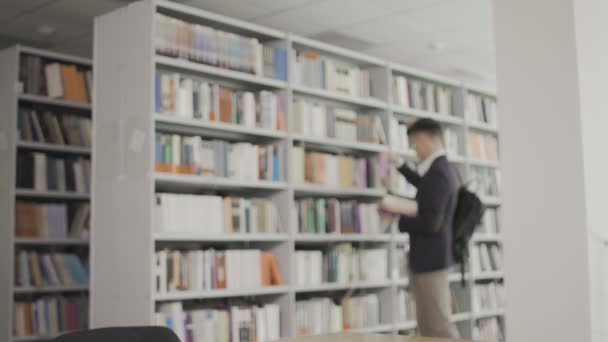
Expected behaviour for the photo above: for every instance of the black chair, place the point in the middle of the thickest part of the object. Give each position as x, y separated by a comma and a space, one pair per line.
121, 334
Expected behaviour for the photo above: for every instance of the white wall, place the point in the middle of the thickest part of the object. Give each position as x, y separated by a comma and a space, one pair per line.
544, 213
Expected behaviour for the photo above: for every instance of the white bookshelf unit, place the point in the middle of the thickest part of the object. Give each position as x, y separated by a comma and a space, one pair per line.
12, 99
123, 253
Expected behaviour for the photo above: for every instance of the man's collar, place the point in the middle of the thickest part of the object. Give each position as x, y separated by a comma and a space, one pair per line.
425, 165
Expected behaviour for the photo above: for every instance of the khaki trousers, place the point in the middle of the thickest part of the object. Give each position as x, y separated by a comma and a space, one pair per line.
431, 292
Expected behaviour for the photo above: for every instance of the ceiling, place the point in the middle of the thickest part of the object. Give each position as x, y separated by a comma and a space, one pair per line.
451, 37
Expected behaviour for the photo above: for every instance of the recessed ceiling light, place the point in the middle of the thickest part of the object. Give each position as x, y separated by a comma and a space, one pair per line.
437, 46
46, 30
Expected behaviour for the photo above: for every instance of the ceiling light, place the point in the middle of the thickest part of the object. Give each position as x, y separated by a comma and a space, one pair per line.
46, 30
437, 46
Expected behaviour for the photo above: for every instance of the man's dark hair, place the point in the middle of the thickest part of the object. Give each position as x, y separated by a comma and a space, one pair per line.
425, 125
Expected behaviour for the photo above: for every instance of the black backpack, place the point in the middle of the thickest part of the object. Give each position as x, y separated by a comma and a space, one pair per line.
468, 214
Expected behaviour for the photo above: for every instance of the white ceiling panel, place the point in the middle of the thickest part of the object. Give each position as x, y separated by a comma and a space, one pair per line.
80, 12
236, 9
26, 27
405, 5
279, 5
317, 17
452, 14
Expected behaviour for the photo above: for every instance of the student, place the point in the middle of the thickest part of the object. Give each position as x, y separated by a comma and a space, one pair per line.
430, 229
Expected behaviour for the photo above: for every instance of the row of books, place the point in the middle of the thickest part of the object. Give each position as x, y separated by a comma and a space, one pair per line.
188, 97
37, 269
481, 109
49, 316
182, 213
490, 296
50, 220
193, 155
330, 215
489, 329
418, 94
41, 76
486, 257
317, 316
334, 170
460, 298
486, 181
237, 323
406, 306
198, 270
206, 45
42, 172
397, 132
341, 264
315, 119
483, 147
489, 224
49, 127
314, 70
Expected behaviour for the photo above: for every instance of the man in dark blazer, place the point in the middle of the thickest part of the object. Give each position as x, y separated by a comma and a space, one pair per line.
430, 230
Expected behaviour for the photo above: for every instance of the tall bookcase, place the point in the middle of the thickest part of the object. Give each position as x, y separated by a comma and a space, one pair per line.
12, 98
126, 181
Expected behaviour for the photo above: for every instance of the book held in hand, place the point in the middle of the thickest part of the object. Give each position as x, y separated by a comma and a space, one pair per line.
399, 206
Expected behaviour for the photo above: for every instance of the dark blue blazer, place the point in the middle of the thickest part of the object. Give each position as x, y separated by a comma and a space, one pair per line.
431, 229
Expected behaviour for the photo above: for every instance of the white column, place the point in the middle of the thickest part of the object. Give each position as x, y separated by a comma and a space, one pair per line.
552, 69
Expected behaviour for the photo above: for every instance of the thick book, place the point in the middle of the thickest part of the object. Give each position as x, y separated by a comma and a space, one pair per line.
397, 205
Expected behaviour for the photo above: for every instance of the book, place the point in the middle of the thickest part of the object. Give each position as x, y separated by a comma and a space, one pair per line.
397, 205
203, 44
489, 329
325, 216
201, 270
414, 93
486, 181
481, 109
49, 315
46, 77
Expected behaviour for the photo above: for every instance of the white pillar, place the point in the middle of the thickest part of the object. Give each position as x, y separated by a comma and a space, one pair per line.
552, 65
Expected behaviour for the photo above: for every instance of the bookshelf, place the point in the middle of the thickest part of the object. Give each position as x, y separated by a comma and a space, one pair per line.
15, 96
126, 180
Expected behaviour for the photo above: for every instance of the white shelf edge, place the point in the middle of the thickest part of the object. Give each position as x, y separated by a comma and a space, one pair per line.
372, 329
417, 113
329, 237
38, 146
54, 102
341, 286
336, 50
488, 275
484, 163
486, 237
462, 316
227, 237
51, 289
216, 182
315, 189
51, 194
54, 55
480, 126
219, 72
337, 143
36, 338
489, 313
408, 325
419, 73
491, 201
220, 293
169, 119
50, 241
326, 94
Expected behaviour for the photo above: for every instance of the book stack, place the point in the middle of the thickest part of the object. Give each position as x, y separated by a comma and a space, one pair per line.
450, 142
460, 298
489, 297
39, 76
487, 180
321, 315
483, 147
481, 109
335, 170
314, 70
319, 120
193, 155
406, 306
233, 324
422, 95
34, 269
50, 220
49, 316
202, 44
489, 223
49, 127
341, 264
41, 172
489, 329
199, 270
184, 96
486, 257
329, 215
222, 215
398, 136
